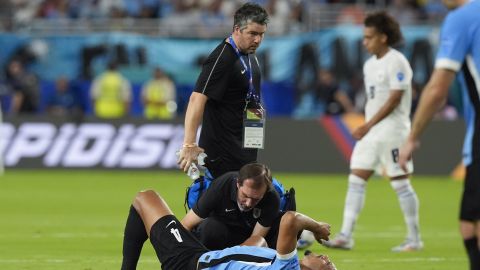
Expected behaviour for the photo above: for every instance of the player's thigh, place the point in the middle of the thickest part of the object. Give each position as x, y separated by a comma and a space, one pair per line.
389, 158
364, 156
151, 207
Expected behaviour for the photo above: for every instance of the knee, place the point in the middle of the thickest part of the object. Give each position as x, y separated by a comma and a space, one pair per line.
142, 198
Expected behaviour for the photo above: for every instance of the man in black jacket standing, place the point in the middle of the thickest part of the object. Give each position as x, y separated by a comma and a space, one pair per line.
227, 97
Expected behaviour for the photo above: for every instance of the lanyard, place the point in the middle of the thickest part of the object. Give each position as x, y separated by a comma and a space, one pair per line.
251, 89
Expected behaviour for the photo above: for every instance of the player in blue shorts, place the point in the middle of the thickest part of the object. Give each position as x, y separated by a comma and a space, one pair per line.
459, 50
178, 249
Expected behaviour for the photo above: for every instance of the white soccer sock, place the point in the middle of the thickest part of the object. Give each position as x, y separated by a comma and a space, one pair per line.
409, 204
354, 203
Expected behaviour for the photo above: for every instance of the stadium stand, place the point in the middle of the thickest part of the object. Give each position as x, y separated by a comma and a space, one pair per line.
126, 30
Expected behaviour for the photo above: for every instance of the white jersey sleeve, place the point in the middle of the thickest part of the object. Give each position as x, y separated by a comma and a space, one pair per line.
399, 74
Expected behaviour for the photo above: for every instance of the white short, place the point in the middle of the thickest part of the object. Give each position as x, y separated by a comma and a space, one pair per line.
369, 155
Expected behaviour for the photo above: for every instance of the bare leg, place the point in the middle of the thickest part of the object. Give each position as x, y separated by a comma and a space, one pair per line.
477, 229
151, 207
467, 229
364, 174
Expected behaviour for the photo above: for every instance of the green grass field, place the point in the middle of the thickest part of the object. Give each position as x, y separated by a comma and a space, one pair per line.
75, 219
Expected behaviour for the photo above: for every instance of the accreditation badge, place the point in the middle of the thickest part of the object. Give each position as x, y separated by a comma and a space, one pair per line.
254, 126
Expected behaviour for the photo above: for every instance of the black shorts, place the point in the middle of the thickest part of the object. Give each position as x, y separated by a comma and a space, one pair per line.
176, 248
215, 234
470, 208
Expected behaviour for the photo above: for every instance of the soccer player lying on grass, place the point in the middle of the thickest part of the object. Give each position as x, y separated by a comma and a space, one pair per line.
178, 249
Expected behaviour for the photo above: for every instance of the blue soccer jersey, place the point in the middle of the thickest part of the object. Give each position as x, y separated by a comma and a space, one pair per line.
248, 258
459, 50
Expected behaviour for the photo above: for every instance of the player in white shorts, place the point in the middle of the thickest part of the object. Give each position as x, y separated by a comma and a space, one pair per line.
388, 86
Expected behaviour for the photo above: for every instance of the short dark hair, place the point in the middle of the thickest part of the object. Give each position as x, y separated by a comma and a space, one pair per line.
259, 173
250, 12
385, 24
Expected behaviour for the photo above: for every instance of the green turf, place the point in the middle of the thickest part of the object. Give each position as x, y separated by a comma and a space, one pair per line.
75, 219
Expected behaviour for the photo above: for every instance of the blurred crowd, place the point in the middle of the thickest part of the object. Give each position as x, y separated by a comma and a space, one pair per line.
110, 93
332, 97
286, 15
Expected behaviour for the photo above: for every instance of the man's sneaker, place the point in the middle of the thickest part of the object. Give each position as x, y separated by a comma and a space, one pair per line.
306, 239
408, 245
340, 241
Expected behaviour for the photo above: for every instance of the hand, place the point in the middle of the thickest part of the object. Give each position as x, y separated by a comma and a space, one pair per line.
406, 152
187, 156
361, 131
322, 231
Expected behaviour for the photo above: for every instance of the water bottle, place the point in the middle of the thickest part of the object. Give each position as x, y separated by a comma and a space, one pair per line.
193, 172
194, 169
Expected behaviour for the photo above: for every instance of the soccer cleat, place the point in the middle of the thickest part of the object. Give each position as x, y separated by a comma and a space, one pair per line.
302, 244
306, 239
408, 245
340, 241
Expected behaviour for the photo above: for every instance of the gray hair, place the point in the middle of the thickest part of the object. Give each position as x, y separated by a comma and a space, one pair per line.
250, 12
